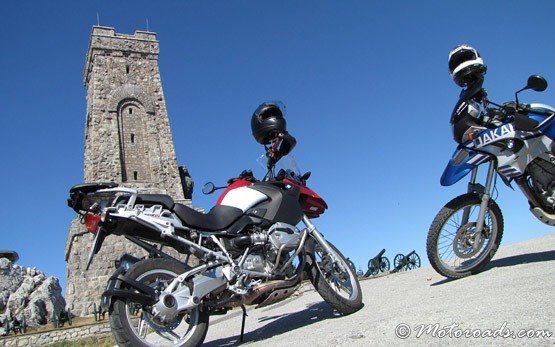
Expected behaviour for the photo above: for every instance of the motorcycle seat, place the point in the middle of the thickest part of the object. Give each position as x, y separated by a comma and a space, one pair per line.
155, 199
218, 218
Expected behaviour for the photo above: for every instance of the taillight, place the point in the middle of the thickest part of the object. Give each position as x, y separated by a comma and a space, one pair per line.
91, 222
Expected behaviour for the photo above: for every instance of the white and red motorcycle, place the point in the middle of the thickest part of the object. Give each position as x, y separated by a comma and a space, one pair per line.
253, 248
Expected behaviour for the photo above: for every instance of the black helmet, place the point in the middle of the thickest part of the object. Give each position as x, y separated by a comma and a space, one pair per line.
465, 65
267, 121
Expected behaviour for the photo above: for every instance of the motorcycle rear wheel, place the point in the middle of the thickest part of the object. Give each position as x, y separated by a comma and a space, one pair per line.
336, 283
133, 324
450, 242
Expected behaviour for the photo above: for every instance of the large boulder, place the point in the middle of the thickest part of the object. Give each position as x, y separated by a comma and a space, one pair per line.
17, 299
11, 277
47, 295
26, 293
35, 313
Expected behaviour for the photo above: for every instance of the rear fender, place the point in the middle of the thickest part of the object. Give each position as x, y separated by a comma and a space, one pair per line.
463, 161
121, 286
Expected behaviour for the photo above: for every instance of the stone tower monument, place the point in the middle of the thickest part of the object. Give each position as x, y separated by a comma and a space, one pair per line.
128, 141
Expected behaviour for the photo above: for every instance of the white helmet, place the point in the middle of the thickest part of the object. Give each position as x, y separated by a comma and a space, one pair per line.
465, 65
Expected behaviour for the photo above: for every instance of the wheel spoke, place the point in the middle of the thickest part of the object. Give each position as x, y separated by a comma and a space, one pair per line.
143, 327
168, 335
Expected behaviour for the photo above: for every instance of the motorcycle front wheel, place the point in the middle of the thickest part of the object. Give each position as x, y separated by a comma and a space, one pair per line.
335, 281
454, 248
135, 325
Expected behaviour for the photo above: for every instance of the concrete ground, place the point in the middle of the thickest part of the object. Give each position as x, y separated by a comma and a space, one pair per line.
513, 295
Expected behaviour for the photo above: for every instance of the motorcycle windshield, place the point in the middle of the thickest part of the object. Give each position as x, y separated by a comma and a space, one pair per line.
286, 163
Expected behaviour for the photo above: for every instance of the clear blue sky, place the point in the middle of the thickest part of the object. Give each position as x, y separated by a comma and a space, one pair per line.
366, 86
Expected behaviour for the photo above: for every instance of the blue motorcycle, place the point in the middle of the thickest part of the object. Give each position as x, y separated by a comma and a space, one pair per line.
515, 142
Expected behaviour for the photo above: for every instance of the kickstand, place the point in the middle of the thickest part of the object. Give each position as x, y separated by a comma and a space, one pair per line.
243, 323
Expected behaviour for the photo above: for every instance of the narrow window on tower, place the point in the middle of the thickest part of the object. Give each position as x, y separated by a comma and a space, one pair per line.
135, 175
130, 110
126, 68
132, 138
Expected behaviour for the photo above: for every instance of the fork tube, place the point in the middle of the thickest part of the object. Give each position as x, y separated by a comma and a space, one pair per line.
317, 236
473, 176
485, 198
472, 182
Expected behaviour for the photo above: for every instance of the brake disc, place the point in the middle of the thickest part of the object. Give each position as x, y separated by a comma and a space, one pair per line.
467, 242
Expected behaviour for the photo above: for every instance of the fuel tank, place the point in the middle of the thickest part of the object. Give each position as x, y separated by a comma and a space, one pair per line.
271, 201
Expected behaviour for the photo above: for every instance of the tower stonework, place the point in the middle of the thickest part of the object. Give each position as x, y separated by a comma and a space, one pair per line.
127, 140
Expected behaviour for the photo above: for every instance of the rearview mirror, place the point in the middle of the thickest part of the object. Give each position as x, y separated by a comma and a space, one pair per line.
537, 83
208, 188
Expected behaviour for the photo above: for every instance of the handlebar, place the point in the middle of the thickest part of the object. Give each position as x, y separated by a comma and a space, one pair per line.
505, 112
244, 175
527, 109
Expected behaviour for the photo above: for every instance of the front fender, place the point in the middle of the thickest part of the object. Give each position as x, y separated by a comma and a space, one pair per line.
463, 161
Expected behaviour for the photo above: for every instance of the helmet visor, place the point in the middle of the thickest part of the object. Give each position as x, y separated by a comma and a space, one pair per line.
460, 57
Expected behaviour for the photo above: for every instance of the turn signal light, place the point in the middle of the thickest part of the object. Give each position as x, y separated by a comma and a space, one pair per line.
91, 222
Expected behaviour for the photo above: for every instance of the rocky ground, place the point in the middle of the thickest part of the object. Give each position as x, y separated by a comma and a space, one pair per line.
514, 295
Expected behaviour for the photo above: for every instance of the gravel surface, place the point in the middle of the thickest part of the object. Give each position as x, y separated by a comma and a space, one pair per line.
515, 293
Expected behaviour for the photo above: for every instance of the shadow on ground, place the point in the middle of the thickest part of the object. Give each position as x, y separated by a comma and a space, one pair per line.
521, 259
511, 261
278, 324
